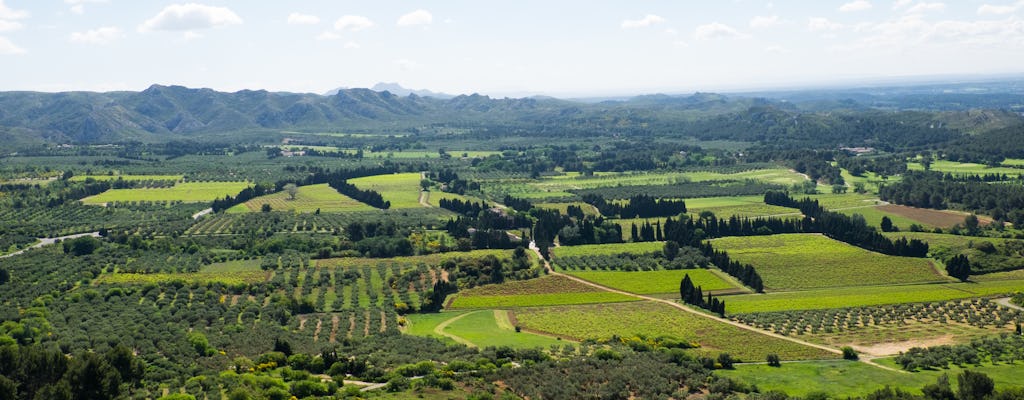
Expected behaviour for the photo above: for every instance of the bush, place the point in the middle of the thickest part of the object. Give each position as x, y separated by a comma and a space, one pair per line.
849, 353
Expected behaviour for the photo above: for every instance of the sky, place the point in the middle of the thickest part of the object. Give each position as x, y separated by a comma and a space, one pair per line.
567, 48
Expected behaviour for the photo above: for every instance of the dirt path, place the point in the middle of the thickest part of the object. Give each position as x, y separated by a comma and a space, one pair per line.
49, 241
1005, 302
439, 329
547, 265
202, 213
425, 199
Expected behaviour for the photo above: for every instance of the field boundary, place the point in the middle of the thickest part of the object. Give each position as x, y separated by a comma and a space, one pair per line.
547, 265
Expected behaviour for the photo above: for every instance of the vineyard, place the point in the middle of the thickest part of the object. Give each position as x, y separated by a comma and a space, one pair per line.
308, 199
310, 222
604, 321
807, 261
544, 291
402, 190
959, 320
659, 282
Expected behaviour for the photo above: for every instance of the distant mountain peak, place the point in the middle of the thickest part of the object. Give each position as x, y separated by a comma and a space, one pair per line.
397, 90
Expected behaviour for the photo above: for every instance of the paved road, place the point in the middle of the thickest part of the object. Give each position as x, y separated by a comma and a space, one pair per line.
49, 241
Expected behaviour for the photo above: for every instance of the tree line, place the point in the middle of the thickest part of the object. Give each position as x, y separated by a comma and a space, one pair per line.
695, 296
940, 191
845, 228
638, 206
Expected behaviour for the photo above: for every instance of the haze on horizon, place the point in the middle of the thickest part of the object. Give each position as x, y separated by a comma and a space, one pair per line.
569, 48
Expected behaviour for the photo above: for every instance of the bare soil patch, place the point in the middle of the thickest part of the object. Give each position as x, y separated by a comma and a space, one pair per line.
939, 218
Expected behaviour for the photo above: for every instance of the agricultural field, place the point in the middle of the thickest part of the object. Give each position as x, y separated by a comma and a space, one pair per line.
887, 330
987, 254
602, 321
307, 199
658, 282
607, 249
842, 378
853, 296
189, 192
740, 206
958, 168
808, 261
402, 190
544, 291
83, 178
481, 328
873, 216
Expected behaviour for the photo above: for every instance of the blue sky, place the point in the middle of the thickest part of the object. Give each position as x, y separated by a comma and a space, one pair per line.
563, 48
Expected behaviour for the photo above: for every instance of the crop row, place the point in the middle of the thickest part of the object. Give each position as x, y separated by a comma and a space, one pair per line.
980, 313
308, 222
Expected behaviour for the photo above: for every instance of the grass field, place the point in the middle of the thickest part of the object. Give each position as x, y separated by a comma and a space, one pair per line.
308, 199
806, 261
868, 296
402, 190
870, 180
873, 216
740, 206
958, 168
627, 224
603, 321
80, 178
654, 282
228, 273
480, 328
841, 378
189, 192
608, 249
543, 291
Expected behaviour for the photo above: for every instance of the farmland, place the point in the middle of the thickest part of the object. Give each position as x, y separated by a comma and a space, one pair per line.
953, 167
608, 249
545, 291
869, 296
83, 178
307, 199
402, 190
846, 378
654, 319
478, 329
189, 192
807, 261
655, 282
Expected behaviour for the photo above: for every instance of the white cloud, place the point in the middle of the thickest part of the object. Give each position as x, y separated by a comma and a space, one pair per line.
988, 9
418, 17
776, 50
648, 20
715, 30
8, 13
102, 35
302, 19
352, 45
6, 26
406, 65
857, 5
913, 31
352, 23
765, 21
923, 7
898, 4
78, 6
190, 16
7, 48
817, 24
328, 35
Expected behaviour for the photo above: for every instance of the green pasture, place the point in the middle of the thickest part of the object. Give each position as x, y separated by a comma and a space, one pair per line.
959, 168
608, 249
480, 328
562, 207
402, 190
806, 261
308, 199
840, 378
190, 192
